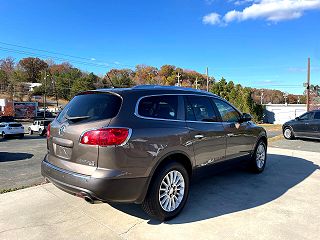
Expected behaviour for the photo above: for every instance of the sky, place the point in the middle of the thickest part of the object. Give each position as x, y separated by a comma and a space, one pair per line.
257, 43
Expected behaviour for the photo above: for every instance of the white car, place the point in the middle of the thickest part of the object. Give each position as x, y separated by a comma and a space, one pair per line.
11, 129
39, 126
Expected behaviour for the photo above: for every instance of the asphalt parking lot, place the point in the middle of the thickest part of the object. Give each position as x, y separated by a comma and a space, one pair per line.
281, 203
20, 161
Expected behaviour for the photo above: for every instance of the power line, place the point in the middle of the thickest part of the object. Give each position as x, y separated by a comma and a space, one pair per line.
54, 57
86, 62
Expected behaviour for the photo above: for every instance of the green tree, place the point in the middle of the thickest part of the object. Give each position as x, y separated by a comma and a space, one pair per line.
84, 83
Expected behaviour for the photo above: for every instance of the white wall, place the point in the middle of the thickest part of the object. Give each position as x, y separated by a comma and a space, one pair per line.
281, 113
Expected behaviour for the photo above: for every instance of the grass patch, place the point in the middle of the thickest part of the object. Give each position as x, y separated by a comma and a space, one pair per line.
2, 191
271, 127
11, 189
276, 138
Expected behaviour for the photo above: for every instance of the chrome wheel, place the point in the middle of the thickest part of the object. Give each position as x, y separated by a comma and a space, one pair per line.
171, 191
261, 155
287, 133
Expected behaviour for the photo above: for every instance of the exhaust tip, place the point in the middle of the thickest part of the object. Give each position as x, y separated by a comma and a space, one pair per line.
89, 199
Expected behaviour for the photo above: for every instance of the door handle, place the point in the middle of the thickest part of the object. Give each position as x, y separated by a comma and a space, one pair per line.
198, 136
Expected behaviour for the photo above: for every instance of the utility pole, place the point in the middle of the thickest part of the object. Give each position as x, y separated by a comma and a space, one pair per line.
45, 94
261, 97
55, 90
178, 76
308, 86
207, 72
196, 82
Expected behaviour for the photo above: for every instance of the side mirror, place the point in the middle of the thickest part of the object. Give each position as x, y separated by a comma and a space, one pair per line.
297, 118
246, 117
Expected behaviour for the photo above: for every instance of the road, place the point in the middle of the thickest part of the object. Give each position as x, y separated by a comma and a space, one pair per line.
281, 203
20, 161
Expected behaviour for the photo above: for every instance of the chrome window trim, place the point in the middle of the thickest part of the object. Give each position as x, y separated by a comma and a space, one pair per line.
172, 120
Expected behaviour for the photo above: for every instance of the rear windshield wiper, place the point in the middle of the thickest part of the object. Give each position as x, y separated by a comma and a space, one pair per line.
77, 118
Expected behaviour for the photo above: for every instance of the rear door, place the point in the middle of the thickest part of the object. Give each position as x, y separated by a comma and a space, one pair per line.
240, 137
206, 131
84, 112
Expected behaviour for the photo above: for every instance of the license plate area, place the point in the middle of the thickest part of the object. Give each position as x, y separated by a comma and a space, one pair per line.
62, 152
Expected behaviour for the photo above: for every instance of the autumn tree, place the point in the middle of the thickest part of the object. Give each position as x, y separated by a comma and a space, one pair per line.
32, 68
167, 74
145, 74
121, 77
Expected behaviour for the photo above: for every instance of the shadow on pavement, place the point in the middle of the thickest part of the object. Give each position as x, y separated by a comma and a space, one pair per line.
9, 156
234, 190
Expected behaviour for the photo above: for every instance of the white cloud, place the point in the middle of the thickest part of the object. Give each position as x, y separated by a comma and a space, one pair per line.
269, 10
92, 59
212, 18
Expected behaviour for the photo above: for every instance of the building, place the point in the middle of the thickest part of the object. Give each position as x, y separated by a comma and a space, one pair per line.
281, 113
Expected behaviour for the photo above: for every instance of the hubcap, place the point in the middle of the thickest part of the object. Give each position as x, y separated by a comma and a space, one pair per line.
287, 133
261, 156
171, 191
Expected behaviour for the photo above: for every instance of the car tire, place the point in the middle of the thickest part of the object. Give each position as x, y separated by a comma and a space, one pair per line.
162, 195
259, 157
288, 133
4, 135
30, 131
40, 132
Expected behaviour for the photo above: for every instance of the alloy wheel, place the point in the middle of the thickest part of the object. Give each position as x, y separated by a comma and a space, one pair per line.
261, 155
171, 191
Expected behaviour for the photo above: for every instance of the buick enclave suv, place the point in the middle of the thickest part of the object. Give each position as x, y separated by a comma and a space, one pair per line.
142, 144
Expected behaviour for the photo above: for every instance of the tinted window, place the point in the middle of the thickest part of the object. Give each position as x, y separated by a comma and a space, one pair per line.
317, 115
1, 126
15, 125
165, 107
305, 116
91, 107
199, 109
227, 112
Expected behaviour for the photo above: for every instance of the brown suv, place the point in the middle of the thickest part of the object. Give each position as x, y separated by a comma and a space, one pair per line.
142, 144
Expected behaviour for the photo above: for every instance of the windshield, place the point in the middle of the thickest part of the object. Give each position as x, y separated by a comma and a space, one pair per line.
91, 107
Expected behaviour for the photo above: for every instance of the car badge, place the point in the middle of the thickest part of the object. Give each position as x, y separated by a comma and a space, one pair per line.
62, 130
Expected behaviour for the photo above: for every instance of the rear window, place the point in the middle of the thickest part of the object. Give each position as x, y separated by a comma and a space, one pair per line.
161, 107
91, 107
15, 125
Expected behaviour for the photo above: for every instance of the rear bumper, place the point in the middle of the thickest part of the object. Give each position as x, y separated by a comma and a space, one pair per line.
105, 189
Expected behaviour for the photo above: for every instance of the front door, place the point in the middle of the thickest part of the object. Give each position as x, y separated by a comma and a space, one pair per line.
315, 125
207, 132
240, 137
302, 127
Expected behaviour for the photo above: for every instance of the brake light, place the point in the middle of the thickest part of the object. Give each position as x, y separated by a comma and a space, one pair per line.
48, 131
105, 136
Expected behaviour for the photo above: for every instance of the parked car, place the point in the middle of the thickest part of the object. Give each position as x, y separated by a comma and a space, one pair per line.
305, 126
142, 144
40, 114
11, 129
6, 119
39, 126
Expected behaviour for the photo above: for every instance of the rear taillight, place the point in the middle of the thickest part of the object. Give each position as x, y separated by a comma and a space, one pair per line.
105, 136
48, 131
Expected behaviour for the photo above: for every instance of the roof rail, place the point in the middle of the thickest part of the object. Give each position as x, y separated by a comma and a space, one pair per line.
169, 87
